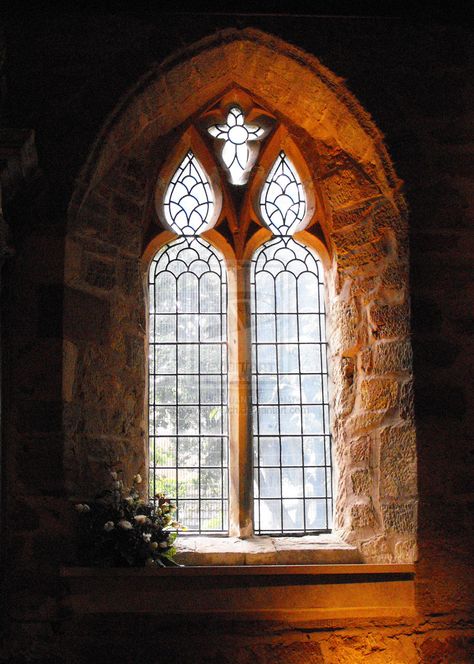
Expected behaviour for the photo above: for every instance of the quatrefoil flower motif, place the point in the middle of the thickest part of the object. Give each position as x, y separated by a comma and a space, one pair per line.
236, 153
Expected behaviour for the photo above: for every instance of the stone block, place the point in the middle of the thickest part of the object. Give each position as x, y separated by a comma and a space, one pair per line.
395, 276
363, 256
406, 551
407, 401
361, 482
344, 322
391, 357
399, 518
376, 550
458, 649
98, 273
366, 421
379, 393
389, 320
87, 317
349, 239
362, 516
397, 462
289, 653
125, 233
348, 186
360, 450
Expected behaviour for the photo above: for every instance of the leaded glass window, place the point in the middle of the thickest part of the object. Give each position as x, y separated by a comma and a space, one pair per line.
292, 461
188, 382
188, 432
283, 201
189, 202
188, 372
292, 458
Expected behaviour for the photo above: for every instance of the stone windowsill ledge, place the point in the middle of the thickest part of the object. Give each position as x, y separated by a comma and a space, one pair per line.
264, 550
294, 593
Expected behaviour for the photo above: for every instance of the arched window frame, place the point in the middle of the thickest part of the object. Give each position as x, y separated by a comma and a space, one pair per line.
238, 260
364, 220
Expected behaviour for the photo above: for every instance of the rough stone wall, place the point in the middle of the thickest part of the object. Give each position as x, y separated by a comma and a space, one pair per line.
415, 80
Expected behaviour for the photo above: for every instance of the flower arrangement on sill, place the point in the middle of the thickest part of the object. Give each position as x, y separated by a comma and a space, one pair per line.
120, 529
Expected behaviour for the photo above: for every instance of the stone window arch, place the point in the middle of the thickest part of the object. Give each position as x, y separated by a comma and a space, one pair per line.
361, 230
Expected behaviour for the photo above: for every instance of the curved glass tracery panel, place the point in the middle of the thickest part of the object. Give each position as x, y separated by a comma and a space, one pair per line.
188, 430
283, 201
236, 135
189, 202
292, 458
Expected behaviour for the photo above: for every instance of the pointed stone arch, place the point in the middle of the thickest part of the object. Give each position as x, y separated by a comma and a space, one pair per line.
363, 218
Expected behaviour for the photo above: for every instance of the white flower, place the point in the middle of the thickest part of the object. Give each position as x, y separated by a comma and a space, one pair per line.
124, 524
108, 526
146, 537
113, 475
137, 478
80, 507
141, 518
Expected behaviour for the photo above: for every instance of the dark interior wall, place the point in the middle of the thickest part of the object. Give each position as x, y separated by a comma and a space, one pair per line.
65, 74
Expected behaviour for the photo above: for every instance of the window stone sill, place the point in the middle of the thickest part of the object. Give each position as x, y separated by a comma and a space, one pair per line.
264, 550
291, 593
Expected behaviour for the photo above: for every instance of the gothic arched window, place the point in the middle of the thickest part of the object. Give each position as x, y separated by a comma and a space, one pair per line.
191, 429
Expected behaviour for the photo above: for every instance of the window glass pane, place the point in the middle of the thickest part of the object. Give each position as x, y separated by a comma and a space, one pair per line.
293, 515
291, 452
187, 377
292, 492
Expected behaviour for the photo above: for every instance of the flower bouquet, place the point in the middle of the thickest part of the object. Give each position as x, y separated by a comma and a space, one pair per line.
120, 529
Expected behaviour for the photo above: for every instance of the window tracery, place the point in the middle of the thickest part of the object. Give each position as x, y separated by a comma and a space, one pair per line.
292, 479
236, 135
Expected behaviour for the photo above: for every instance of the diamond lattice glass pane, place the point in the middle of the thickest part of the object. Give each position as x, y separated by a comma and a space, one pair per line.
189, 201
283, 201
289, 388
188, 381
